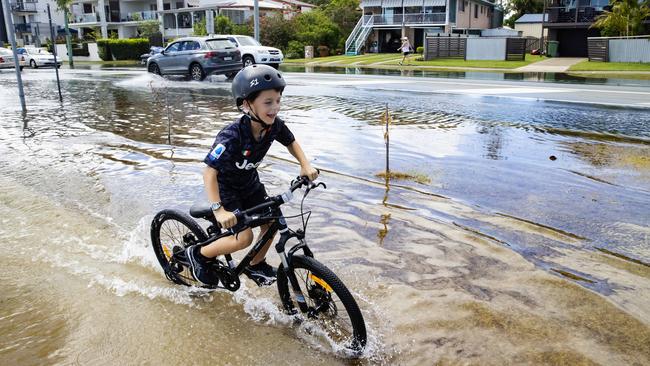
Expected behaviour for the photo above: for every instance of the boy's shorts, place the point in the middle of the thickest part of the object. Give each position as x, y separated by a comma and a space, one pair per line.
233, 200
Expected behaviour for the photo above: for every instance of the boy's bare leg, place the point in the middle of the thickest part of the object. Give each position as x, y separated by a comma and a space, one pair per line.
228, 244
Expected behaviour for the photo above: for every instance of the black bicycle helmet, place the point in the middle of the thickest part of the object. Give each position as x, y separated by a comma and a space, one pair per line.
255, 78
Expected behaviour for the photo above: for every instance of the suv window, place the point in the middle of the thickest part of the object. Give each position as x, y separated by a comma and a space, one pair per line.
219, 44
174, 47
248, 41
190, 46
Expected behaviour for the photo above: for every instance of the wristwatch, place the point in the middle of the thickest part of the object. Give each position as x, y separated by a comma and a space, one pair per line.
215, 206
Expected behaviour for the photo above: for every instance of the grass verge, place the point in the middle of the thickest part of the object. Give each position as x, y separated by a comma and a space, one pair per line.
393, 59
412, 176
610, 66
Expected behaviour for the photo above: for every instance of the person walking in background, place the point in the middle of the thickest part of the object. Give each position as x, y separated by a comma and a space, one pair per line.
406, 50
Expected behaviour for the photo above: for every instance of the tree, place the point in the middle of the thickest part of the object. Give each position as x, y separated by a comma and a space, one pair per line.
625, 19
521, 7
275, 31
65, 6
344, 13
148, 28
200, 28
316, 29
223, 25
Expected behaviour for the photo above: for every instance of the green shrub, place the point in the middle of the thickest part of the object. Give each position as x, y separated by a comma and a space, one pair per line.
104, 50
122, 49
295, 50
80, 49
419, 50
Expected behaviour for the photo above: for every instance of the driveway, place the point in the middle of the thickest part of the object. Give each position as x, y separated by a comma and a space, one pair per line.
555, 64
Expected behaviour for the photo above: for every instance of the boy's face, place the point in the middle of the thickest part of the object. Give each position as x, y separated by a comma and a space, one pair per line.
266, 106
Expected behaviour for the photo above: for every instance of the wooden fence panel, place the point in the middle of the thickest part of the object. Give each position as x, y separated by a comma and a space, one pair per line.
445, 47
515, 49
598, 49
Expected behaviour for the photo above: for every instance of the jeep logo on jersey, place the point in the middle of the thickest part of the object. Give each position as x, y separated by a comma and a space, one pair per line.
246, 165
217, 151
254, 82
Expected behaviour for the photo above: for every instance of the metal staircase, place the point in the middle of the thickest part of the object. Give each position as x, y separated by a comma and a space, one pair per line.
359, 34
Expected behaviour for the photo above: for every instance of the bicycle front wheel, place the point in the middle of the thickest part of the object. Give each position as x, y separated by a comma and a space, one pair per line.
329, 302
173, 231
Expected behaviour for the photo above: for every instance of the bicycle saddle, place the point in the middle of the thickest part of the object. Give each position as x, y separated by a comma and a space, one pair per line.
201, 211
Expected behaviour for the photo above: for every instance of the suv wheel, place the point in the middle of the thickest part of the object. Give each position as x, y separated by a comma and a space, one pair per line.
248, 60
196, 72
32, 64
154, 69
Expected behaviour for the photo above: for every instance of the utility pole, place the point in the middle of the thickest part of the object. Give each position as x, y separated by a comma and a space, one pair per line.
56, 64
68, 40
12, 39
541, 37
257, 20
403, 30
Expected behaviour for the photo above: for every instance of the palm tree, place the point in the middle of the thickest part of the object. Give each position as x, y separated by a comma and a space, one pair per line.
64, 5
625, 19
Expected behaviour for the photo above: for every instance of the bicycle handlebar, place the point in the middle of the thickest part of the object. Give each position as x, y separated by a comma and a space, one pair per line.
275, 201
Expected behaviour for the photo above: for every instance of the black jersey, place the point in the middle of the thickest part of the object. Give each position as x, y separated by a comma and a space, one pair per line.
235, 153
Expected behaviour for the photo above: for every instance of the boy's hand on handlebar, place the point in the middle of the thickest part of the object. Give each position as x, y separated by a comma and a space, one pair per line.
309, 172
226, 219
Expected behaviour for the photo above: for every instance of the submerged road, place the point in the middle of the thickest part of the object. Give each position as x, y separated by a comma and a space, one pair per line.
608, 95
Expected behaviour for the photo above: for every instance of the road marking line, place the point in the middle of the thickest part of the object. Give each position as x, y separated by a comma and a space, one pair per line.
502, 91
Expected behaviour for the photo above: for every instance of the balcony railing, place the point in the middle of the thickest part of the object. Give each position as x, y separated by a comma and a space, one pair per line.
85, 18
23, 28
141, 15
581, 14
417, 18
24, 6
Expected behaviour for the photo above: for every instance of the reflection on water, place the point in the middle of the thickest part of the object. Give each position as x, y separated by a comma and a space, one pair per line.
498, 244
553, 77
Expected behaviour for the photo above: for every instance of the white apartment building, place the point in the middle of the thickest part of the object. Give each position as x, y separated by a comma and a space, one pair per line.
177, 17
31, 21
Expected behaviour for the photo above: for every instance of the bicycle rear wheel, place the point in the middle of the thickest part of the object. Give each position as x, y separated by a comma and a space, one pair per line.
173, 231
329, 302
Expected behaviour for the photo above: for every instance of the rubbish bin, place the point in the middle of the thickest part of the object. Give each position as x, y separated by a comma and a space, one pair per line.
309, 51
551, 48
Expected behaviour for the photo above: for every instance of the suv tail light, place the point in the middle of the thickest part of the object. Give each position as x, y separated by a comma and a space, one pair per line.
210, 54
2, 59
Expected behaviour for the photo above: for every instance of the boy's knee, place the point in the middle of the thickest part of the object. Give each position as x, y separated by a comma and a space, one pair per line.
244, 238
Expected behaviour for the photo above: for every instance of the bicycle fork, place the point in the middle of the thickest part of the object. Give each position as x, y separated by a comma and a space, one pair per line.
291, 275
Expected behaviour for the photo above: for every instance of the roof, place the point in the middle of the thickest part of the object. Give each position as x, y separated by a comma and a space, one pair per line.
209, 4
296, 2
532, 18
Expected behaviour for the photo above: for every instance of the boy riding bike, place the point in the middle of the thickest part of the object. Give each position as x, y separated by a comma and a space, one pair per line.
231, 179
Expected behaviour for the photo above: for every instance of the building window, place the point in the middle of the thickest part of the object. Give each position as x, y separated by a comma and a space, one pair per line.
179, 5
167, 6
153, 7
475, 10
462, 6
88, 8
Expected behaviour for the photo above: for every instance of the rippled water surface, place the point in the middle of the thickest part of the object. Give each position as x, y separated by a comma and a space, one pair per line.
524, 240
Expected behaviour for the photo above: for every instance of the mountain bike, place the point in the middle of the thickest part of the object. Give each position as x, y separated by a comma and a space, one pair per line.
319, 294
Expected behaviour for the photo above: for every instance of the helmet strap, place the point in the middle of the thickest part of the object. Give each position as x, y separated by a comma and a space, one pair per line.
253, 116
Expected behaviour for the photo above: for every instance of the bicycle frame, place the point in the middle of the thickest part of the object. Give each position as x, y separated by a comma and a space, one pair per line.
278, 224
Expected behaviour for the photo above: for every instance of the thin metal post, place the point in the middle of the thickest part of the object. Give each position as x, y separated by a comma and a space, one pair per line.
256, 18
56, 64
541, 38
68, 40
12, 39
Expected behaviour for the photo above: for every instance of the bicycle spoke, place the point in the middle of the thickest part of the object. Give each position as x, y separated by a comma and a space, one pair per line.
338, 327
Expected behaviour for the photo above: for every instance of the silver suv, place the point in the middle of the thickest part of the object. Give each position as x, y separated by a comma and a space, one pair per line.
197, 57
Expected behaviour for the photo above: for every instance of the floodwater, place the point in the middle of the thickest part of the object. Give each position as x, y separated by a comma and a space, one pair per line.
526, 240
549, 77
